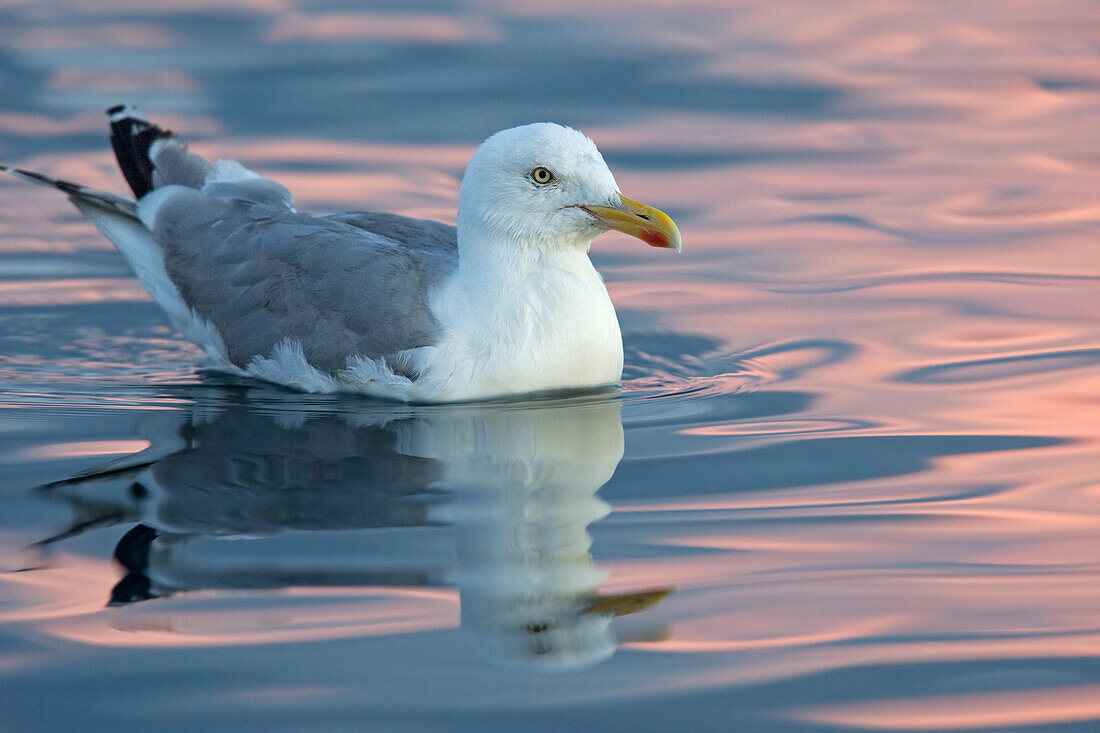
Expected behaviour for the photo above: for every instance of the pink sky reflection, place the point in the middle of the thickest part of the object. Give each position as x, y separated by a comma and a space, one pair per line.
941, 221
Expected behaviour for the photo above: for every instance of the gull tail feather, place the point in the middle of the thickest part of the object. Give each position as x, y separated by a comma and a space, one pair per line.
117, 218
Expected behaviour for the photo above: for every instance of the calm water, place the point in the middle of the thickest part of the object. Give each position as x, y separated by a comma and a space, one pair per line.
851, 479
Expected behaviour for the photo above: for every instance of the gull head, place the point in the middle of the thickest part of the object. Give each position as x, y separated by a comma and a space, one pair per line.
546, 187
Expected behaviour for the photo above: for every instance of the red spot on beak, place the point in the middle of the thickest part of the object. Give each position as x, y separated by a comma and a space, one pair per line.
654, 239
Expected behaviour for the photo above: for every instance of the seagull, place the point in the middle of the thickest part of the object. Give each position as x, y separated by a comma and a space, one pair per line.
506, 303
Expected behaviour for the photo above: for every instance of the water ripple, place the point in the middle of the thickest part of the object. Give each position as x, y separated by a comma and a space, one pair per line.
1002, 367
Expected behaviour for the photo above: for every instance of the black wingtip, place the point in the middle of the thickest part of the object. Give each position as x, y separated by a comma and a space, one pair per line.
132, 552
131, 137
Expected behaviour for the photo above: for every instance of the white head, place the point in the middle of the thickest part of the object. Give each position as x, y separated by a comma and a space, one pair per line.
546, 186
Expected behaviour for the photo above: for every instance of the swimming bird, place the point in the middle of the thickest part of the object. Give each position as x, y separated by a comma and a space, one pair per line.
508, 302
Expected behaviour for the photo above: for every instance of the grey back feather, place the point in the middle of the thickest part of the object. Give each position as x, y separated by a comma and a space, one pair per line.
341, 285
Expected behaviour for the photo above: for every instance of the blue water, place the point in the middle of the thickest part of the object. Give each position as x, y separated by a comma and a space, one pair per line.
849, 481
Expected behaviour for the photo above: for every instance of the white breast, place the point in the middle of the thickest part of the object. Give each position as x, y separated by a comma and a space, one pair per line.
549, 326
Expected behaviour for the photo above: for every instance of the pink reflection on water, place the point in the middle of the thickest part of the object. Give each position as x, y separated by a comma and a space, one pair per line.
117, 35
27, 123
1046, 706
846, 633
93, 8
66, 601
71, 292
367, 26
136, 80
80, 449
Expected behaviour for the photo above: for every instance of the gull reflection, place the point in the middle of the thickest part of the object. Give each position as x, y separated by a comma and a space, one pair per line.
493, 498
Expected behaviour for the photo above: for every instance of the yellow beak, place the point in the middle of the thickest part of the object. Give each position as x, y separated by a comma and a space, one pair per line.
652, 226
627, 603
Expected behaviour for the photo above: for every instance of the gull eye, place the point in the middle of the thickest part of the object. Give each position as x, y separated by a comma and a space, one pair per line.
542, 175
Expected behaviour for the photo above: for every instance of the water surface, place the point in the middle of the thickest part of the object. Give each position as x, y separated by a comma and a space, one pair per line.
849, 483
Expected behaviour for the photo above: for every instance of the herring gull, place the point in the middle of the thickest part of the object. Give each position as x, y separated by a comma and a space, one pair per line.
506, 303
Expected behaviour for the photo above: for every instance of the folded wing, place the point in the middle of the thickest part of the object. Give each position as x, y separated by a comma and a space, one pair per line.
260, 272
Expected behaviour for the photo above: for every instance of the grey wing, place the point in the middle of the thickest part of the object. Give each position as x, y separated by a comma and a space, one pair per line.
261, 272
430, 237
432, 244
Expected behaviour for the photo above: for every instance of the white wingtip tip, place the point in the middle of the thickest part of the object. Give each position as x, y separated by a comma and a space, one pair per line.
125, 112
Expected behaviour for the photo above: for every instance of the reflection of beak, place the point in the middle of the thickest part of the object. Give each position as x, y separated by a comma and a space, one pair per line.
652, 226
626, 603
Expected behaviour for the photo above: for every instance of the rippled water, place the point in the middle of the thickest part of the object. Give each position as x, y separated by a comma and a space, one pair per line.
850, 481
